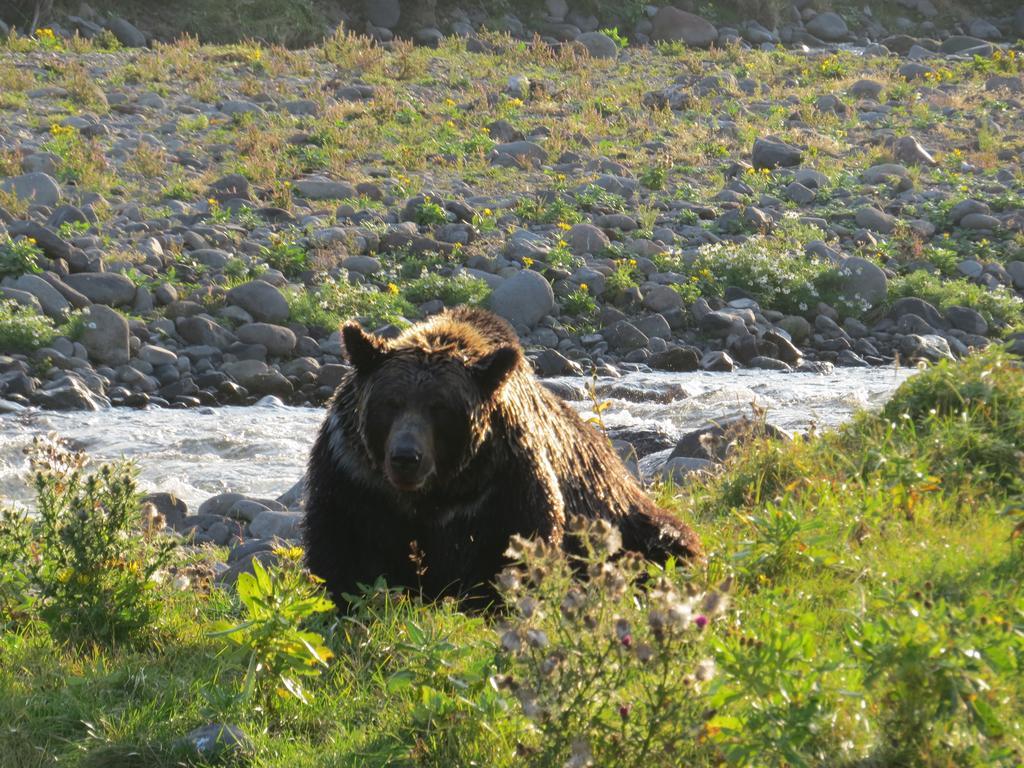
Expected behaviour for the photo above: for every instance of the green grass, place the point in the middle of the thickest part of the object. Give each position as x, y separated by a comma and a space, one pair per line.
876, 618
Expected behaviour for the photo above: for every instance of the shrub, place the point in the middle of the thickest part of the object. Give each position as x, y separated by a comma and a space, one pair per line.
608, 672
430, 213
999, 307
557, 211
22, 329
19, 256
654, 177
935, 662
286, 254
82, 160
83, 565
335, 302
773, 268
461, 288
274, 647
623, 277
580, 302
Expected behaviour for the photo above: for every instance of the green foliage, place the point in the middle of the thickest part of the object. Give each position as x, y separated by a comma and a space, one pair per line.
910, 653
82, 160
608, 672
430, 213
778, 684
82, 563
580, 303
878, 620
772, 267
832, 67
286, 254
461, 288
653, 177
276, 650
72, 229
620, 40
438, 670
291, 24
335, 302
595, 198
22, 329
559, 256
557, 211
623, 277
937, 662
999, 307
19, 256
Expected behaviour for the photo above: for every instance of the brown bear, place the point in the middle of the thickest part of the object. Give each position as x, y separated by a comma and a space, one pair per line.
439, 445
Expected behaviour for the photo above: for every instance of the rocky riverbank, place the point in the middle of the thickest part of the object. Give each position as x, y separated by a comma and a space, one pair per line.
188, 225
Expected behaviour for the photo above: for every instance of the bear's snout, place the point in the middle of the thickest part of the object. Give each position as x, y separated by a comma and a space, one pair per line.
408, 458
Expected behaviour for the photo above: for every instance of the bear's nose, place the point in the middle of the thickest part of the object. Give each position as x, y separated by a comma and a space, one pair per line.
405, 458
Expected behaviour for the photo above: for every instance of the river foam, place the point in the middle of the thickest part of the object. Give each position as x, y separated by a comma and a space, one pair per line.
261, 450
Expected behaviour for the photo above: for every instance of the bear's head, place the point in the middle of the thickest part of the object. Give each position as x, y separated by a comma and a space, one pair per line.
425, 399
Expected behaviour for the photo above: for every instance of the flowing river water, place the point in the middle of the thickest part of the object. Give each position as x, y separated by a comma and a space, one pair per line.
261, 450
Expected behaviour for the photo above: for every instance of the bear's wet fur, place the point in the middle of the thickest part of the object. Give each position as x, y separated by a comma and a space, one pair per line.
439, 445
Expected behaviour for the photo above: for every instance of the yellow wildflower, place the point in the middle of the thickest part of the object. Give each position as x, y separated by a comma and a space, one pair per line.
527, 262
392, 289
584, 287
564, 226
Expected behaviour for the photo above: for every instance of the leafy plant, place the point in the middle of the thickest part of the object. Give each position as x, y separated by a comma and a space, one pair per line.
334, 302
286, 254
81, 560
580, 302
623, 277
277, 650
431, 213
461, 288
999, 306
22, 329
20, 256
620, 40
557, 211
938, 664
774, 697
653, 177
607, 672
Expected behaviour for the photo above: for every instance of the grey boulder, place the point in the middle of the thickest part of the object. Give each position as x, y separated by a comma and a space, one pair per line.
261, 300
523, 299
105, 336
39, 188
110, 288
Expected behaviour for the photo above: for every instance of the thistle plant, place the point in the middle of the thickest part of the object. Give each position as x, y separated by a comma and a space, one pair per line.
606, 668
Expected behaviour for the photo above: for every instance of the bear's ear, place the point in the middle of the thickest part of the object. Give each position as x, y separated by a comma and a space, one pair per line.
365, 352
492, 369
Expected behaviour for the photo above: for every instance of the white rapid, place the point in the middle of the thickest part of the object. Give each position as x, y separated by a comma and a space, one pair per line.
261, 450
